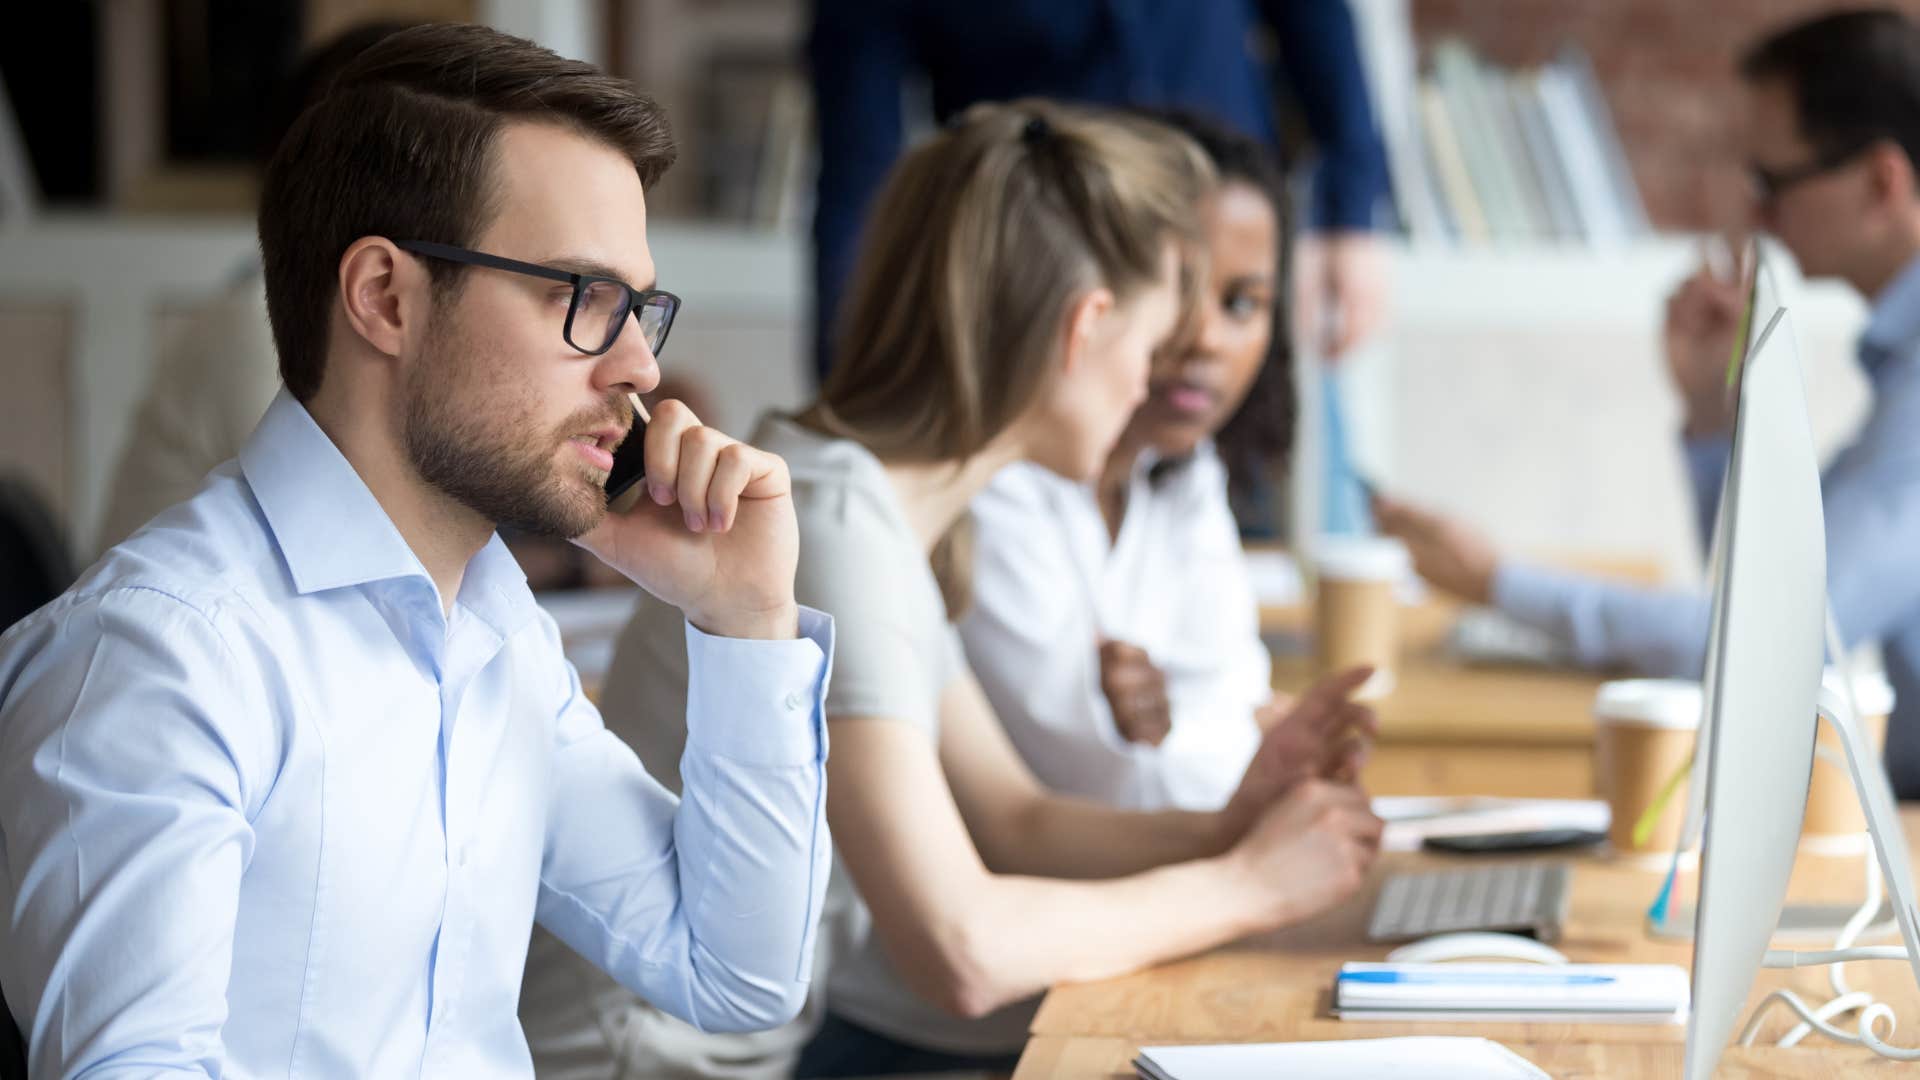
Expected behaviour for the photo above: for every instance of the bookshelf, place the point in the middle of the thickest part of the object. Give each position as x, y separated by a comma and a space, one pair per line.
731, 74
1482, 155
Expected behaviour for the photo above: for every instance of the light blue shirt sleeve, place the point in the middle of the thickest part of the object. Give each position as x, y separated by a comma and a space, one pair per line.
131, 748
1707, 460
1661, 632
707, 908
1872, 509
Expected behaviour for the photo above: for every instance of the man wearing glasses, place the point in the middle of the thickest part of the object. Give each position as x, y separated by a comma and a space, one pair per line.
287, 778
1832, 140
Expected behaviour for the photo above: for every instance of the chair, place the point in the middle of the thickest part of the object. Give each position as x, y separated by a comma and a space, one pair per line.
13, 1046
35, 565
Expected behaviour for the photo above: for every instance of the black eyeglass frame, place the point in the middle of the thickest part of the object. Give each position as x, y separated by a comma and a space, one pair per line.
1771, 184
580, 283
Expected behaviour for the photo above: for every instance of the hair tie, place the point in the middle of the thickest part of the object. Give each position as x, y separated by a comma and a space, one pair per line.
1036, 132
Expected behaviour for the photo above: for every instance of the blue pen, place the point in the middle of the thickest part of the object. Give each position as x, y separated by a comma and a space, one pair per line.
1476, 978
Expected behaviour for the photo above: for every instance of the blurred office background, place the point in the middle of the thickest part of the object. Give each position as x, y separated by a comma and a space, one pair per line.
1554, 162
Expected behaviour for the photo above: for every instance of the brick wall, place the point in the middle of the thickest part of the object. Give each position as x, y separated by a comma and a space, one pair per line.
1667, 68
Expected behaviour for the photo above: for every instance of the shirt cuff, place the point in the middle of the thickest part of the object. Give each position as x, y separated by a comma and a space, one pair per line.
760, 702
1538, 597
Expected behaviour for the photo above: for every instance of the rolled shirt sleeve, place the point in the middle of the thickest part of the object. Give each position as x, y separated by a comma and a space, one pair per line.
706, 906
1659, 632
1872, 513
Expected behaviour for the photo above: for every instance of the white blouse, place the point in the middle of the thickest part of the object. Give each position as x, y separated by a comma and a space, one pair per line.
1049, 586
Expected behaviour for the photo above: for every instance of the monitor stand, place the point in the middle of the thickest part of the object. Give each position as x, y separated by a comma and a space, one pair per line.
1888, 839
1818, 924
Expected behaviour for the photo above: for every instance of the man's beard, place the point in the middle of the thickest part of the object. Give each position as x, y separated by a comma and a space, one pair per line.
488, 459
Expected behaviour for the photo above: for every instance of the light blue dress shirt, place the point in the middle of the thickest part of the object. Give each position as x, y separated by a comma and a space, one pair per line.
1872, 497
266, 811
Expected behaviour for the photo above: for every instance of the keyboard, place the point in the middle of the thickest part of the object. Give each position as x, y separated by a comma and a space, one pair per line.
1518, 898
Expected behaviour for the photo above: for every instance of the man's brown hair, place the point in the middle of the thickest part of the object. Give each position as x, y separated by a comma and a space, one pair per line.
401, 145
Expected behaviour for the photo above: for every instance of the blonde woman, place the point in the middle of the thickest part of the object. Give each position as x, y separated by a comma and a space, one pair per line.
1113, 625
1020, 269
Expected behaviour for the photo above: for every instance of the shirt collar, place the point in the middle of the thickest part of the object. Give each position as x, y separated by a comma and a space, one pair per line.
333, 533
1894, 321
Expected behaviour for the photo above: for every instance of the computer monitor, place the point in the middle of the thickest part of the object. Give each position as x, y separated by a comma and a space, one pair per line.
1763, 299
1765, 654
1765, 657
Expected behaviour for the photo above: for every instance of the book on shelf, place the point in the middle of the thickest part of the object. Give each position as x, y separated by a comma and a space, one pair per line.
1385, 33
1482, 155
1585, 162
754, 139
1586, 85
1461, 203
1531, 116
1459, 84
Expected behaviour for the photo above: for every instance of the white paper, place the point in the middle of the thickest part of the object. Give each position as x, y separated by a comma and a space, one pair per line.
1411, 819
1424, 1058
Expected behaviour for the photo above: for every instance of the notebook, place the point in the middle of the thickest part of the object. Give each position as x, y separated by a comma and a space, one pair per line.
1429, 1057
1504, 992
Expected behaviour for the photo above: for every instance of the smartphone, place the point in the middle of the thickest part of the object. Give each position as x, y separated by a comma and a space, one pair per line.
624, 481
1531, 840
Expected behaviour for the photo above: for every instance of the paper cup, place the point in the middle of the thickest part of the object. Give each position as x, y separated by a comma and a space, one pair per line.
1356, 615
1644, 733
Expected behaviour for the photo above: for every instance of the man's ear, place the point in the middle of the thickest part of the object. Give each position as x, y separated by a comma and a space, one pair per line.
1078, 327
382, 291
1891, 173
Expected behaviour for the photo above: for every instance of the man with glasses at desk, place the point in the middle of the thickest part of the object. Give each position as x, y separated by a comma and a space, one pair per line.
287, 778
1833, 145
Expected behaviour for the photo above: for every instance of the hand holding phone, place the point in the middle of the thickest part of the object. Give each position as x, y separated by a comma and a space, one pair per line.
705, 523
623, 483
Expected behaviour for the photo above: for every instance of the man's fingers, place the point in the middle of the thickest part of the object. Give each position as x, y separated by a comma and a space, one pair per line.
732, 471
699, 455
706, 471
671, 422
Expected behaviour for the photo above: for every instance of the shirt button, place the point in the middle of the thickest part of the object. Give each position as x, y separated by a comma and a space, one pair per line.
463, 855
795, 702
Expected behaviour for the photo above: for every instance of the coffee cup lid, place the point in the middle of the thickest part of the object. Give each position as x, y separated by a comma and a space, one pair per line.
1661, 703
1872, 693
1361, 558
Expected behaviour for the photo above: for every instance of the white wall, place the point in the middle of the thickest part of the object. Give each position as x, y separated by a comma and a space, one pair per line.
1530, 395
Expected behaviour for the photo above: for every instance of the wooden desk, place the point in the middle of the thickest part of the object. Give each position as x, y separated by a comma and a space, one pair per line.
1448, 728
1276, 989
1094, 1058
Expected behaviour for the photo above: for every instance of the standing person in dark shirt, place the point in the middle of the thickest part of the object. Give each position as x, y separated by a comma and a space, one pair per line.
1198, 57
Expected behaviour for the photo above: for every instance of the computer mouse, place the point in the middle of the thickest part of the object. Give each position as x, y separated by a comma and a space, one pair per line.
1441, 948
